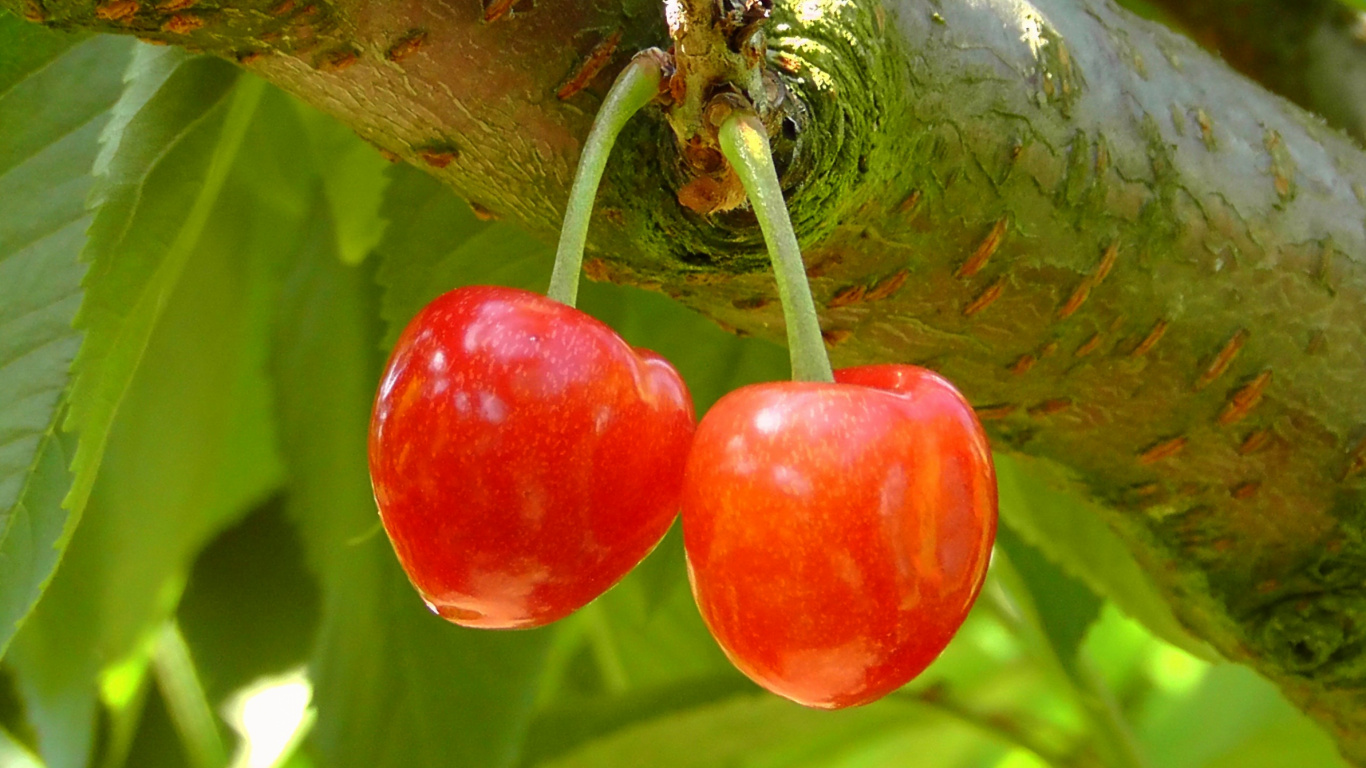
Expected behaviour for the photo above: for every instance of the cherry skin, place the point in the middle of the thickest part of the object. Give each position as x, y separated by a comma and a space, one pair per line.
523, 456
837, 534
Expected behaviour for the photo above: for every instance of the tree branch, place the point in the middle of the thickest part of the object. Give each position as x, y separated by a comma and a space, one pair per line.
1139, 265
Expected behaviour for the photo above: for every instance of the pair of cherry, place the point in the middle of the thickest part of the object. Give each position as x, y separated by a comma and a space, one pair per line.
524, 458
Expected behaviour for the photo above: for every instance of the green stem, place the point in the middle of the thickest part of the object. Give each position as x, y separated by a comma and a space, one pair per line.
186, 700
636, 86
744, 142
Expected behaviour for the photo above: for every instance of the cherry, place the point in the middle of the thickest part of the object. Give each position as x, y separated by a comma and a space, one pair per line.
524, 457
838, 527
837, 534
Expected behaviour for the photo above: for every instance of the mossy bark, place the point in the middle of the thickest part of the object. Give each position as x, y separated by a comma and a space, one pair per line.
1137, 264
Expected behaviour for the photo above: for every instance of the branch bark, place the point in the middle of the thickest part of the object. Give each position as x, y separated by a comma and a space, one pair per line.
1138, 264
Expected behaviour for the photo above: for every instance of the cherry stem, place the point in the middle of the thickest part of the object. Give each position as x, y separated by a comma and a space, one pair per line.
636, 86
744, 142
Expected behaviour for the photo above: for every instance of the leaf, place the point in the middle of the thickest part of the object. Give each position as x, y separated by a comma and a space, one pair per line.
156, 744
167, 151
354, 179
575, 721
1051, 633
1235, 719
192, 449
765, 730
1072, 532
28, 48
1066, 607
48, 142
394, 685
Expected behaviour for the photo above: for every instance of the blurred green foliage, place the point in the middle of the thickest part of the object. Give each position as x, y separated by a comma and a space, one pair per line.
241, 269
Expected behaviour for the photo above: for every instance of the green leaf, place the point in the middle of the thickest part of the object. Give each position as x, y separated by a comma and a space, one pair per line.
192, 449
767, 731
354, 178
1066, 607
28, 48
48, 143
156, 743
1048, 631
575, 721
1072, 532
1235, 719
168, 149
394, 684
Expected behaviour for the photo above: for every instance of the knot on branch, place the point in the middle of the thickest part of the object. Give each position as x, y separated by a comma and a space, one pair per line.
817, 81
1321, 635
719, 51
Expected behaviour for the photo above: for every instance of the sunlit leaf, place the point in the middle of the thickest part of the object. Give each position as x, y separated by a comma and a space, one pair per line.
1066, 607
168, 149
190, 450
48, 143
1235, 719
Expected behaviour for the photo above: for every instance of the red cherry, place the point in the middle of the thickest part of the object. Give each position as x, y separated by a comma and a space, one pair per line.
837, 534
524, 457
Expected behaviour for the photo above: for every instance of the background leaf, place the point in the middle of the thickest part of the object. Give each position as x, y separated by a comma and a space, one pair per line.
1235, 718
1070, 607
48, 142
164, 491
15, 755
767, 731
167, 150
251, 607
354, 180
1073, 533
